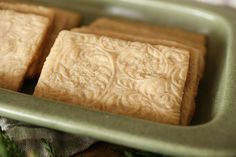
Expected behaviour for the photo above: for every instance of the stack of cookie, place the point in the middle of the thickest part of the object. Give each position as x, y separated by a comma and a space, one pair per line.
126, 68
27, 33
119, 66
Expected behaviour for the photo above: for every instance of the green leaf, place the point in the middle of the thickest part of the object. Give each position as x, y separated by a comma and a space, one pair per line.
8, 148
49, 148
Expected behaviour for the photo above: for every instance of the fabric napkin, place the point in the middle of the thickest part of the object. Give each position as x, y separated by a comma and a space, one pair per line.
28, 138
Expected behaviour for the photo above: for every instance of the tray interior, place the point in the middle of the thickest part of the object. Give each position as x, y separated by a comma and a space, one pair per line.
209, 94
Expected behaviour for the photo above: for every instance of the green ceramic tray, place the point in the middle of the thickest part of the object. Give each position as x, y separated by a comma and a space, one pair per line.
213, 131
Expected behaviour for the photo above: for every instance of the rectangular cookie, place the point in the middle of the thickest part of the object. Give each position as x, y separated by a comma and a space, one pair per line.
191, 86
194, 40
63, 20
59, 20
27, 8
21, 36
123, 77
37, 10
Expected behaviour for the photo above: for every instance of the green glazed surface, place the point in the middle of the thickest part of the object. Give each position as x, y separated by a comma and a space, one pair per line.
213, 131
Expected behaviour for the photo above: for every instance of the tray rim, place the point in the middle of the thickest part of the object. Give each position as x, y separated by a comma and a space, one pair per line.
35, 113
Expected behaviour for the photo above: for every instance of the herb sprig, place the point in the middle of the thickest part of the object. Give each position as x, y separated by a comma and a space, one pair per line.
49, 148
8, 148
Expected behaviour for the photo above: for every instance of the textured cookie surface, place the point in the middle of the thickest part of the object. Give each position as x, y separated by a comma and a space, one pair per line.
59, 20
63, 20
191, 86
193, 40
37, 10
166, 33
123, 77
27, 8
20, 36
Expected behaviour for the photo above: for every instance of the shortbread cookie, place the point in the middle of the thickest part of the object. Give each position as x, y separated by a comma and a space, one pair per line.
195, 40
59, 20
63, 20
191, 86
190, 39
37, 10
21, 36
123, 77
27, 8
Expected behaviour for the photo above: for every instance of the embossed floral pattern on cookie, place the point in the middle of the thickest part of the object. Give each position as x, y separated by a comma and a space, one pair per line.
123, 77
21, 36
